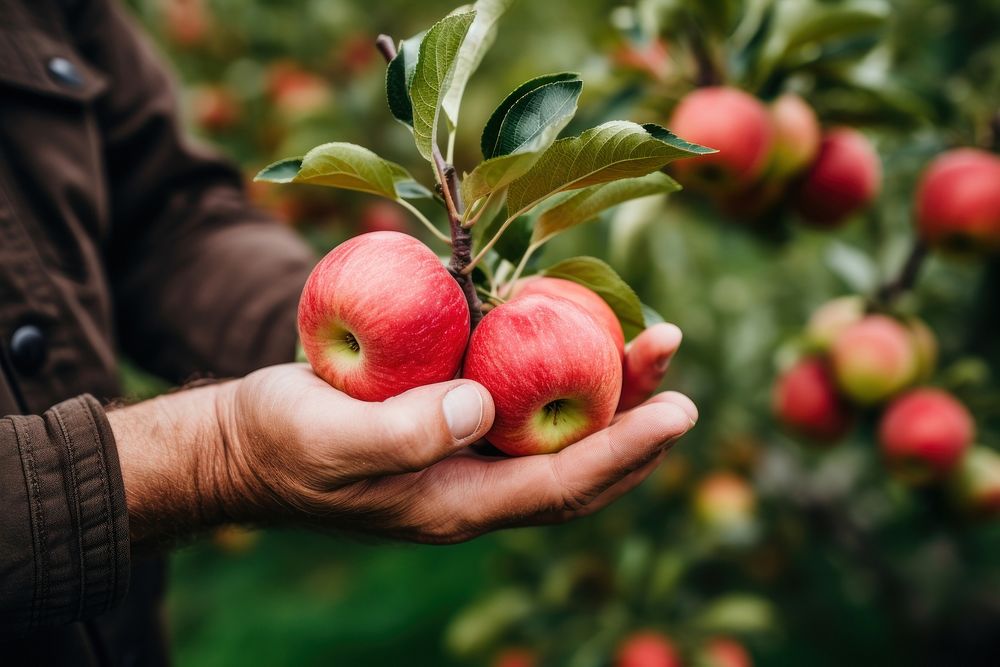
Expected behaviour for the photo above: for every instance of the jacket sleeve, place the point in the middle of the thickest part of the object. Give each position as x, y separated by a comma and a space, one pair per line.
64, 547
203, 281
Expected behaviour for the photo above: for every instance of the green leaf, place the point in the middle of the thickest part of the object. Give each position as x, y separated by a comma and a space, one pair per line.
608, 152
798, 23
433, 72
601, 278
520, 130
346, 166
651, 316
478, 40
399, 75
585, 205
533, 94
282, 171
496, 174
737, 614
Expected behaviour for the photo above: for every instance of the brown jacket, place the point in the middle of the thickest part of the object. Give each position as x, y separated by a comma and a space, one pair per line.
116, 236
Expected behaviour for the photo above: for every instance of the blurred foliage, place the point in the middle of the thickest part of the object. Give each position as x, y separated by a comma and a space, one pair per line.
833, 561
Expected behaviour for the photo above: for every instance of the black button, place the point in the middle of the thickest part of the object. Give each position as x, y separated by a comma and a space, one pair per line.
65, 72
28, 349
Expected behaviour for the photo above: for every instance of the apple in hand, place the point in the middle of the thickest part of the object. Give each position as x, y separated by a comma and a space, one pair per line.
577, 293
845, 178
380, 314
553, 370
958, 200
924, 433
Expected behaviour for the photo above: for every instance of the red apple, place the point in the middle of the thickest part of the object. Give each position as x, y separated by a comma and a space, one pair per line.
958, 200
515, 657
577, 293
796, 136
296, 92
215, 107
845, 178
651, 58
806, 400
827, 321
187, 23
724, 499
647, 648
553, 370
725, 652
735, 123
384, 216
380, 314
976, 482
924, 433
874, 359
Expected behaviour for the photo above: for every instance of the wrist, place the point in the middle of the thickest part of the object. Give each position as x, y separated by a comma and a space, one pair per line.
174, 463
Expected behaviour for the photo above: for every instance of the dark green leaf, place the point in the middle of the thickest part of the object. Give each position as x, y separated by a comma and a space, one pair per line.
398, 76
490, 141
282, 171
608, 152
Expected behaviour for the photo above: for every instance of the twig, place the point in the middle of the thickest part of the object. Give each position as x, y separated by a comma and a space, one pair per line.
386, 47
907, 278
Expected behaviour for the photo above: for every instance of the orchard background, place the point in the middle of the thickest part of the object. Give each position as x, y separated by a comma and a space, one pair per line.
803, 554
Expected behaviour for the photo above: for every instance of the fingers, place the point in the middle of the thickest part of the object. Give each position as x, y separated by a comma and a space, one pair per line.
569, 481
646, 360
420, 427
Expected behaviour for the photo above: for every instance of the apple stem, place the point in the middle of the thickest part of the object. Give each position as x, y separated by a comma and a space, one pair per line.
907, 278
461, 239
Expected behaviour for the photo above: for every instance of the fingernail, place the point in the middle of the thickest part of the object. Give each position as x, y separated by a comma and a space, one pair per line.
685, 404
662, 363
463, 411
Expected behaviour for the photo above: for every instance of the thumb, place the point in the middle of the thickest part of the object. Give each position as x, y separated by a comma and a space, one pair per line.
420, 427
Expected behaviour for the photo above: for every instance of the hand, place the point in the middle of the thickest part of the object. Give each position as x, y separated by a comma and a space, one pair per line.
646, 360
283, 446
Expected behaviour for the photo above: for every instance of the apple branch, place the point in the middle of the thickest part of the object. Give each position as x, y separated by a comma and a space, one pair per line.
907, 278
461, 237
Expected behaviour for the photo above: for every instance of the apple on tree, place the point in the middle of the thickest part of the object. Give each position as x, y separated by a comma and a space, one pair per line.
844, 179
381, 313
806, 400
958, 200
924, 434
647, 648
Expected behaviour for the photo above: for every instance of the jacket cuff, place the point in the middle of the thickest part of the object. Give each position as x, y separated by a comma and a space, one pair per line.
78, 515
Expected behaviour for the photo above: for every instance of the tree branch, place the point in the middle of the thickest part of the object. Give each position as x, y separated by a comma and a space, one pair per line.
907, 278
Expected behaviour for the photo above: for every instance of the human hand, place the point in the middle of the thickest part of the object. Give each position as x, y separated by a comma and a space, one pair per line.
283, 446
402, 468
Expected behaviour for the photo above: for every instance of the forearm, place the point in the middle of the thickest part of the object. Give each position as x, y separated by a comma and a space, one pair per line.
174, 464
